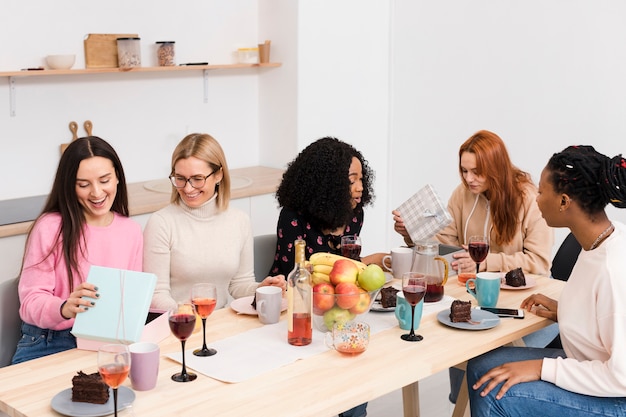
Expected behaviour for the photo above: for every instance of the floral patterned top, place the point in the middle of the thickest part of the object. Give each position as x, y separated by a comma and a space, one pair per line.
292, 225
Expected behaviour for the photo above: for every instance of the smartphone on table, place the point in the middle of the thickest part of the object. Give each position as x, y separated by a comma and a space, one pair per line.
516, 313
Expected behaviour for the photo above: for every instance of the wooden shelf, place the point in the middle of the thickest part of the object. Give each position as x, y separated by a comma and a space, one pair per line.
48, 72
13, 75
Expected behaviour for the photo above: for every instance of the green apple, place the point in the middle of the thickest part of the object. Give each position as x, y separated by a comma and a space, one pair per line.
337, 315
371, 278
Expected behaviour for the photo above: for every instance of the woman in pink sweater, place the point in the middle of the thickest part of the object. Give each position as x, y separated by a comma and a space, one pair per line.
84, 222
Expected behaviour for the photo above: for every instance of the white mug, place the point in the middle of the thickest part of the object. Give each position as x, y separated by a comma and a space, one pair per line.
401, 260
269, 302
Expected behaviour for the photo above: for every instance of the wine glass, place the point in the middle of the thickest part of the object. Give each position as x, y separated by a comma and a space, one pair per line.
114, 365
351, 247
182, 321
414, 289
478, 247
204, 298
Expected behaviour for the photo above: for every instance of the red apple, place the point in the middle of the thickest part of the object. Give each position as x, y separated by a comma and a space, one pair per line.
323, 298
344, 270
363, 304
347, 295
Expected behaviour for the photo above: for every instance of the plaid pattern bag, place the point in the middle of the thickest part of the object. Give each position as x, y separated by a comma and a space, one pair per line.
424, 214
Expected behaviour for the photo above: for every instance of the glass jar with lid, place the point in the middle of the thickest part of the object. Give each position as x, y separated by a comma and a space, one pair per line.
128, 52
165, 53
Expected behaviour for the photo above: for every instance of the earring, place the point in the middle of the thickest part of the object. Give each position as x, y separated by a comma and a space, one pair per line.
217, 184
560, 208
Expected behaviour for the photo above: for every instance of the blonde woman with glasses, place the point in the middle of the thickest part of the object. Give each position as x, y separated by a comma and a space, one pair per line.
198, 237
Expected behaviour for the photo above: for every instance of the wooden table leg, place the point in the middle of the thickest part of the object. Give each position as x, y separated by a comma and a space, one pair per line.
411, 400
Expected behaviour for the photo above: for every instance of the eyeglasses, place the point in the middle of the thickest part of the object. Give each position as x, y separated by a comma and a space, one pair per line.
197, 181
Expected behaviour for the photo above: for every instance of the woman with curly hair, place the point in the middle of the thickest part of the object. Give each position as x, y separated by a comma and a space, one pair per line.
495, 199
322, 195
586, 377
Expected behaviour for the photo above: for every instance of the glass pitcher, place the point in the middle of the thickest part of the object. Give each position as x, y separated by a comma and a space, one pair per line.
428, 262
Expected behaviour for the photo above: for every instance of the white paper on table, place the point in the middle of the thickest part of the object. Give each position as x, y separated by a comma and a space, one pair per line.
263, 349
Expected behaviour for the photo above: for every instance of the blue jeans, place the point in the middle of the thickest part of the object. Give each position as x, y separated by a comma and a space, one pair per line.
358, 411
37, 342
536, 398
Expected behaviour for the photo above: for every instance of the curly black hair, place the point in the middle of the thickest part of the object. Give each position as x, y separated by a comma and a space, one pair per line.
316, 183
589, 177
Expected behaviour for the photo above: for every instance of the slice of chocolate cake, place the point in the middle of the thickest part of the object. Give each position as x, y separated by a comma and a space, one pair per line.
388, 297
460, 311
89, 388
515, 278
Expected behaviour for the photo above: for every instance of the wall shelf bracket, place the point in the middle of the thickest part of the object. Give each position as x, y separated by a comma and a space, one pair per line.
12, 92
205, 77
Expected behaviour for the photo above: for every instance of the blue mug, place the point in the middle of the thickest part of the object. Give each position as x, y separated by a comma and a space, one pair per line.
403, 312
487, 288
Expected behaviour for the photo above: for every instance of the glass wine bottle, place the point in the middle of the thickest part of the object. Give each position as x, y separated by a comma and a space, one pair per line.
299, 299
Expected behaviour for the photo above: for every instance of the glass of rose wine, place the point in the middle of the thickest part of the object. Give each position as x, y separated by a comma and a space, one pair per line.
182, 321
351, 247
204, 298
414, 289
114, 365
478, 248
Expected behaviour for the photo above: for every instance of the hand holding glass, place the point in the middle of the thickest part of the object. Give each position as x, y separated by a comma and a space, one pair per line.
478, 248
204, 298
414, 289
114, 365
182, 321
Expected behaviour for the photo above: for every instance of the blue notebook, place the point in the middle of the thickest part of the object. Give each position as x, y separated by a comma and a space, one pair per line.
120, 313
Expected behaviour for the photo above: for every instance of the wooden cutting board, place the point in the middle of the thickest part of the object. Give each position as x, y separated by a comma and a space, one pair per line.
101, 49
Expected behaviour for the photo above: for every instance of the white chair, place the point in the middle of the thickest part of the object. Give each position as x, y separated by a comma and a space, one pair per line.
264, 251
9, 320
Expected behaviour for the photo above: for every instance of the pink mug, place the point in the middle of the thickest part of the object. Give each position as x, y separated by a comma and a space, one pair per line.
144, 365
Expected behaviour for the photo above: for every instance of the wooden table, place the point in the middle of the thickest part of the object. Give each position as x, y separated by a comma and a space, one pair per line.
321, 385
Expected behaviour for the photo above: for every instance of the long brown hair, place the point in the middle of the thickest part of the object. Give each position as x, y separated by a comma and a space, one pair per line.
64, 201
505, 182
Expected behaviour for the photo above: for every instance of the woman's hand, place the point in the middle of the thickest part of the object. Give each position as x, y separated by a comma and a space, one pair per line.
399, 227
276, 281
543, 306
76, 304
510, 373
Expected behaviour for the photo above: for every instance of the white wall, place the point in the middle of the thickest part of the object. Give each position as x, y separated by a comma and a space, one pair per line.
543, 74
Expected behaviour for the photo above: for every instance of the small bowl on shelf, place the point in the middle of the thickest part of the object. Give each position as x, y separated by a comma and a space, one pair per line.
58, 62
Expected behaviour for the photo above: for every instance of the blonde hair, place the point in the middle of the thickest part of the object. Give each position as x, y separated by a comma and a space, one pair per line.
204, 147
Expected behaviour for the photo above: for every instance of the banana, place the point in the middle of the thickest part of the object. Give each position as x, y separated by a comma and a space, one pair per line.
324, 269
319, 277
325, 258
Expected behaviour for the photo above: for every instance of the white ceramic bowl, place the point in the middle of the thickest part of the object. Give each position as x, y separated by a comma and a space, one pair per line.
60, 61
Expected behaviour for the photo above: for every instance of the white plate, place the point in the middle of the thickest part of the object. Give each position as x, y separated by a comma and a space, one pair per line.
490, 320
530, 282
243, 305
62, 403
377, 306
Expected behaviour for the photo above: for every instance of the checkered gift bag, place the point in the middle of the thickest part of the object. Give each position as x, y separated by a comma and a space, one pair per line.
424, 214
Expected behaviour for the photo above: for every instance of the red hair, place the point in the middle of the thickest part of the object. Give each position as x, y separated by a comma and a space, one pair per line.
505, 182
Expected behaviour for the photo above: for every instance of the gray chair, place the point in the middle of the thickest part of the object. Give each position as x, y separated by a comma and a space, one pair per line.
10, 321
264, 252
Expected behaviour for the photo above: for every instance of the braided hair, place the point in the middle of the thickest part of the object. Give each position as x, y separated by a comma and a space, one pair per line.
589, 177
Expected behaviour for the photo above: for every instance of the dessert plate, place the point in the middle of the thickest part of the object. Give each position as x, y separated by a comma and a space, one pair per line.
485, 320
62, 403
530, 282
376, 305
243, 305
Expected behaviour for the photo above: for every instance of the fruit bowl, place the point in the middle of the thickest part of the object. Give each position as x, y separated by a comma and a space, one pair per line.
330, 308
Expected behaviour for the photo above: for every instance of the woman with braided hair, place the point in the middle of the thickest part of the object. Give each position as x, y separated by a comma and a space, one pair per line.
588, 376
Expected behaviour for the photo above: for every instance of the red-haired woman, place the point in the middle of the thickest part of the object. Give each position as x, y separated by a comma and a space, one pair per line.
495, 199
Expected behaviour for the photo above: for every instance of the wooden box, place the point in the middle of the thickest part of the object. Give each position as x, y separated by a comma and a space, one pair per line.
101, 49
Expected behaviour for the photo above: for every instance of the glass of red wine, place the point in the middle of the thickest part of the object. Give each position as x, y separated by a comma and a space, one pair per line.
478, 248
182, 321
114, 365
414, 289
204, 298
351, 247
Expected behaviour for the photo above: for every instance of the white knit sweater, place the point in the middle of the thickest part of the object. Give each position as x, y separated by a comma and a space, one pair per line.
184, 245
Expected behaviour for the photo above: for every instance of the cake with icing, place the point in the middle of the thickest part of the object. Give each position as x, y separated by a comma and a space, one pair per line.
515, 278
89, 388
460, 311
